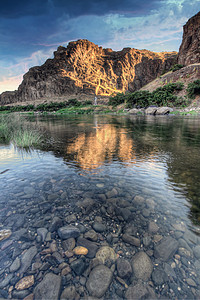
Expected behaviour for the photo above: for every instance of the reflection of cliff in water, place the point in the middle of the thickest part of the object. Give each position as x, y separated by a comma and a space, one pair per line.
91, 141
105, 144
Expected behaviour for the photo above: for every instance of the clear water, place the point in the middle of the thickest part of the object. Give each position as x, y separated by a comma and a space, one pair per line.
111, 160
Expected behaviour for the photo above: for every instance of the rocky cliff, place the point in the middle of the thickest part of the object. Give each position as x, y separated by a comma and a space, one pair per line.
189, 52
84, 68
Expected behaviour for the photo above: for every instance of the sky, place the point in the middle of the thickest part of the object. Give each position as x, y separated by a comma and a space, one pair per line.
30, 30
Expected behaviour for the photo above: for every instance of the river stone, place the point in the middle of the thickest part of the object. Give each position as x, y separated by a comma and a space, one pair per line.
67, 232
43, 233
48, 288
99, 280
78, 266
142, 266
56, 223
105, 254
69, 293
153, 227
6, 281
15, 265
20, 294
99, 227
68, 244
190, 237
25, 283
159, 277
197, 251
139, 291
138, 200
91, 235
27, 259
131, 240
166, 248
4, 234
91, 246
124, 268
29, 190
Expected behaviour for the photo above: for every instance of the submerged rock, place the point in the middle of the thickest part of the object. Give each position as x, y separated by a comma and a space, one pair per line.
25, 283
166, 249
106, 253
27, 259
4, 234
67, 232
48, 288
99, 280
124, 268
142, 266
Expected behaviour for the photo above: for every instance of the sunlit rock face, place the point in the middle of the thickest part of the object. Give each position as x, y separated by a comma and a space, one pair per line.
84, 68
189, 52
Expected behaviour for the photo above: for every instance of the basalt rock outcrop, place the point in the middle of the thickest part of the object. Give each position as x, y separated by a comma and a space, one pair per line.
83, 68
189, 52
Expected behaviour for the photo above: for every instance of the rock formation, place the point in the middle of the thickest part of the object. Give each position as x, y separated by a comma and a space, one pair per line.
189, 52
84, 68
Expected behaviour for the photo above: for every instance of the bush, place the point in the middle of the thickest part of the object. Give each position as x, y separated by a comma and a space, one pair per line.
193, 89
117, 100
138, 99
162, 96
176, 67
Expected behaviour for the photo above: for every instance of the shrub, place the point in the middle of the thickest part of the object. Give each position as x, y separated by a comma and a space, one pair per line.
193, 89
117, 100
73, 102
138, 99
176, 67
162, 96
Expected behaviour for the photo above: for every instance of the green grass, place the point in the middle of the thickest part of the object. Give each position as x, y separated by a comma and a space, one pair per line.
185, 113
16, 130
76, 110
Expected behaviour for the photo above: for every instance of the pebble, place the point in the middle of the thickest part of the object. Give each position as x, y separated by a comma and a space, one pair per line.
105, 254
69, 293
78, 266
42, 232
79, 250
25, 283
67, 232
27, 259
131, 240
196, 251
124, 268
99, 227
5, 234
191, 282
15, 265
91, 235
91, 246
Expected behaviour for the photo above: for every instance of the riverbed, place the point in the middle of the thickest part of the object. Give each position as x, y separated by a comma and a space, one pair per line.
109, 208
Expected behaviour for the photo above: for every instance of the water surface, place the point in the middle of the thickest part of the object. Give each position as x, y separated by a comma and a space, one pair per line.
132, 176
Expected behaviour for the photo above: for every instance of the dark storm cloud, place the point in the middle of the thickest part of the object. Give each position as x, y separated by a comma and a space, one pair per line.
16, 9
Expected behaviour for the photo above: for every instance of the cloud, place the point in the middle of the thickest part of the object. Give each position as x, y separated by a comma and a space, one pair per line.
16, 9
12, 74
31, 30
10, 84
